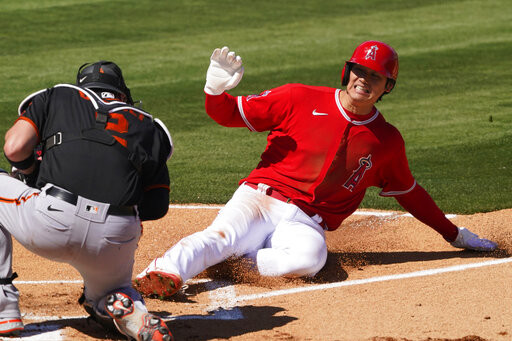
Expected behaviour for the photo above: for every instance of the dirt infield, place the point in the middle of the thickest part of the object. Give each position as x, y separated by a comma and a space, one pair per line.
387, 277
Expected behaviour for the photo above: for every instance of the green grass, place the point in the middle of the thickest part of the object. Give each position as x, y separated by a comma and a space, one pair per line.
455, 73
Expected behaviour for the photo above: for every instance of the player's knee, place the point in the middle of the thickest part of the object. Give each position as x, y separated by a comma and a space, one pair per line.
314, 266
308, 264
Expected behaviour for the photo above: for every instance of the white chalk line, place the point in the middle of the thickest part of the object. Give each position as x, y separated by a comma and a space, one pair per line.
77, 281
422, 273
228, 309
358, 212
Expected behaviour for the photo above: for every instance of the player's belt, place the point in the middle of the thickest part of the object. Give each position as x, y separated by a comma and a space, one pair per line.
270, 192
73, 199
275, 194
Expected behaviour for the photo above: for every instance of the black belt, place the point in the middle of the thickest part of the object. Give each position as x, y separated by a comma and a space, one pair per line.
73, 199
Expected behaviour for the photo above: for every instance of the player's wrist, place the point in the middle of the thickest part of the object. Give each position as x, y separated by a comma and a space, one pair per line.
212, 91
24, 164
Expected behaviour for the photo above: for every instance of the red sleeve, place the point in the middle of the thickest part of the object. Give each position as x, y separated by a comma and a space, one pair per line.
268, 109
396, 174
223, 109
419, 203
259, 112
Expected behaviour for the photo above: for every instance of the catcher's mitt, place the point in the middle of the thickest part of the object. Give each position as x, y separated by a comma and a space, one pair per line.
29, 179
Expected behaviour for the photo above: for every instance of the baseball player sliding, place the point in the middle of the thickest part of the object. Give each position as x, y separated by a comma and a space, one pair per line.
103, 170
325, 147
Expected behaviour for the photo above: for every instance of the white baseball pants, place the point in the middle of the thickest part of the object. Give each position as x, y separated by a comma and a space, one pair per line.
280, 238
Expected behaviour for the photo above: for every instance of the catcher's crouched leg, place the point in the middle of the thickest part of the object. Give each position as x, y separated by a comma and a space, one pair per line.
104, 320
12, 325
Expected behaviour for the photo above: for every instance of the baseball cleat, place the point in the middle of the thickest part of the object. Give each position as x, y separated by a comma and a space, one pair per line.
11, 327
140, 325
158, 283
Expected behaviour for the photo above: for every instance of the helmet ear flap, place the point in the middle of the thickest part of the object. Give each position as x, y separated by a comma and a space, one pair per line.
345, 74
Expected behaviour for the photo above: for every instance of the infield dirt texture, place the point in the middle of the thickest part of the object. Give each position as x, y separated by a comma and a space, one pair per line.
388, 277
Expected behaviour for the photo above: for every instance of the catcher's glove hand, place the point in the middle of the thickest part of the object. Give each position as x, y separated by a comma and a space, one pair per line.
224, 73
28, 179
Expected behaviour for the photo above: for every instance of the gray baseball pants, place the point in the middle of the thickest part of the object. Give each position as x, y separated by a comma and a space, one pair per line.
99, 246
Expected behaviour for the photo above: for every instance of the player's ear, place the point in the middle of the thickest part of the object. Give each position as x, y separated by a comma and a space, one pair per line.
390, 84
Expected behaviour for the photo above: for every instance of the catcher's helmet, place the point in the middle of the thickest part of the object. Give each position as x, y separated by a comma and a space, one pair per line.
375, 55
103, 75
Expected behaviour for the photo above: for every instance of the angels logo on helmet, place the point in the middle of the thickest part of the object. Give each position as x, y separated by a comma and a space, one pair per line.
371, 53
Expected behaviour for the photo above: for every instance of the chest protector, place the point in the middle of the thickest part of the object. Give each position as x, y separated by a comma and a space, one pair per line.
97, 133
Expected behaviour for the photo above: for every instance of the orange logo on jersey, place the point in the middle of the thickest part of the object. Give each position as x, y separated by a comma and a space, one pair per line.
121, 126
371, 53
365, 163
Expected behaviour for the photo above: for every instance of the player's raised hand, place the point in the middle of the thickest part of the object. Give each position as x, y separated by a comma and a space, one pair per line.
225, 71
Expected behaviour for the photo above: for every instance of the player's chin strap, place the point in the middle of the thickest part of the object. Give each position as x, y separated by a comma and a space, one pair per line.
5, 281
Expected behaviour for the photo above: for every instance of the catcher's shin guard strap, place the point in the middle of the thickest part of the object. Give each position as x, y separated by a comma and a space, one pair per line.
4, 281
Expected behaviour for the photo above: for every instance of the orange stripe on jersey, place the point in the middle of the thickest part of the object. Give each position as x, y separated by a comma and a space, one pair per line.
149, 188
84, 96
18, 201
26, 119
121, 141
111, 99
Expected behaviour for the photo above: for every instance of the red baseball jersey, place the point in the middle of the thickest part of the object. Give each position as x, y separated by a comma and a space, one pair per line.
318, 154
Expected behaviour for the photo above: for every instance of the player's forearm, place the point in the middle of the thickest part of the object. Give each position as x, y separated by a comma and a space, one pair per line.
419, 203
223, 109
20, 141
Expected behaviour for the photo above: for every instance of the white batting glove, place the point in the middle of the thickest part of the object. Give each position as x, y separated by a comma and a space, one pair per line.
224, 73
469, 240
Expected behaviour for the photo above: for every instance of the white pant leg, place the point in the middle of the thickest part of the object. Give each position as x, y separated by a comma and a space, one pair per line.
242, 226
296, 248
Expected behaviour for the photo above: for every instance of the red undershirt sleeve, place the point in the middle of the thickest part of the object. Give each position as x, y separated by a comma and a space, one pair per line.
223, 109
421, 205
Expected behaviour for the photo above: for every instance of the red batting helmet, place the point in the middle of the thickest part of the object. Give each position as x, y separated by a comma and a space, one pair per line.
375, 55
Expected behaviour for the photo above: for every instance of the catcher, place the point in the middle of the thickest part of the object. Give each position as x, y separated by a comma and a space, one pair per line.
103, 171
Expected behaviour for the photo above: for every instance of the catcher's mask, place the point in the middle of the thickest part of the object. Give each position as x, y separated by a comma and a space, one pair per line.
377, 56
103, 75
